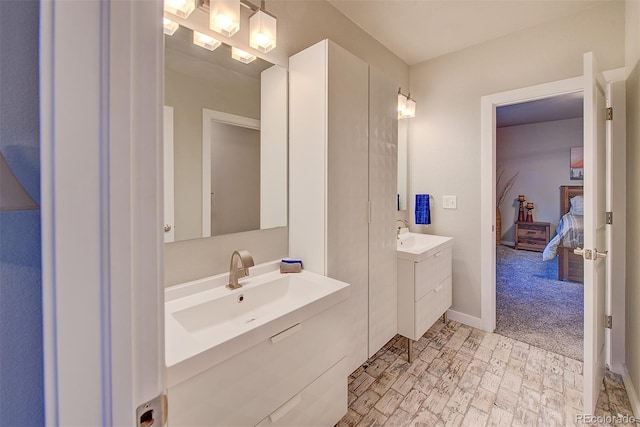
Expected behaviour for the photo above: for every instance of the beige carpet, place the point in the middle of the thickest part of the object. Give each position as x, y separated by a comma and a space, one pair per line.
534, 307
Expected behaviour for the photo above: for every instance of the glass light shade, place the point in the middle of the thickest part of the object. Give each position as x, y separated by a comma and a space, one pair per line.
170, 27
410, 110
181, 8
402, 105
262, 31
224, 16
205, 41
241, 55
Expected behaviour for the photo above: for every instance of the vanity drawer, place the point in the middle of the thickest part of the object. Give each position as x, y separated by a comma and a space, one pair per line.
322, 403
431, 272
432, 306
246, 388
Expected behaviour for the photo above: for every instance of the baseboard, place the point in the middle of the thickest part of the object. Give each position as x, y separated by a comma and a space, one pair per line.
466, 319
631, 391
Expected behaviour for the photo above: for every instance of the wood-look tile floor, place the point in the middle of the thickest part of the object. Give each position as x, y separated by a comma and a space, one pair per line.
468, 377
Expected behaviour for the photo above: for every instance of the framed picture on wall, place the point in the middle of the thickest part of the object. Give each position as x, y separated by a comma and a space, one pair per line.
576, 167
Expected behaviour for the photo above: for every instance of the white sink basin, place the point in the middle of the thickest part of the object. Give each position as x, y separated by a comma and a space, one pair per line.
417, 247
213, 323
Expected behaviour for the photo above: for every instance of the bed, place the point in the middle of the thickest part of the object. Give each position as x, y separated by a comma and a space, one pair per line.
569, 235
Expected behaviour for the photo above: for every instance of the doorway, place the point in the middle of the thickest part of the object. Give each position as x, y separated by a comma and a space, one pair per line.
534, 143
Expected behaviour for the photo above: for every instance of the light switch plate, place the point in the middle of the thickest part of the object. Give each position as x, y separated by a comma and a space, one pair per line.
449, 202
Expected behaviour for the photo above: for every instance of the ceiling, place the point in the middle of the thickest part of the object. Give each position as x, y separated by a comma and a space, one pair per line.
419, 30
561, 107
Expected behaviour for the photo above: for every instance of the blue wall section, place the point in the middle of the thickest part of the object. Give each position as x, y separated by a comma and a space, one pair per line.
21, 357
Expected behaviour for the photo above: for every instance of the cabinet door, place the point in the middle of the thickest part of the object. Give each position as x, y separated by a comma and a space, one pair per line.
383, 173
347, 183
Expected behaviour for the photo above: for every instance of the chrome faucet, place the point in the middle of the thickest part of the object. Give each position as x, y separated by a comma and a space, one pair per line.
235, 272
406, 223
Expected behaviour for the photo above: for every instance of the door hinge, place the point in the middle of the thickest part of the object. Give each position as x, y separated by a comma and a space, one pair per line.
609, 113
608, 322
153, 412
609, 218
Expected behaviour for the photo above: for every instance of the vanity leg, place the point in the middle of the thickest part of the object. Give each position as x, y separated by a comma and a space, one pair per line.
444, 318
409, 350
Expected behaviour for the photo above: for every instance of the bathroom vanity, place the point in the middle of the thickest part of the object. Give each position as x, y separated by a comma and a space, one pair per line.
272, 352
424, 282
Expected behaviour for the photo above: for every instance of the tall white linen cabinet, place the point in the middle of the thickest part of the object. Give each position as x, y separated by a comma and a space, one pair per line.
343, 133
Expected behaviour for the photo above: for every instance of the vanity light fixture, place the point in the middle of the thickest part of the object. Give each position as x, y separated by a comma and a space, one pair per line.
406, 106
241, 55
205, 41
224, 16
170, 26
262, 30
181, 8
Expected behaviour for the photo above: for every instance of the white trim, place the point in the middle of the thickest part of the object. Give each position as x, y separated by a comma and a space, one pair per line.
488, 183
466, 319
225, 118
631, 391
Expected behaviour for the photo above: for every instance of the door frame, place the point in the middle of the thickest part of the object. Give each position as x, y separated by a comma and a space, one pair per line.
489, 103
101, 76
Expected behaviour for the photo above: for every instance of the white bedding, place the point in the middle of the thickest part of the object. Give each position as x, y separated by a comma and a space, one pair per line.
569, 233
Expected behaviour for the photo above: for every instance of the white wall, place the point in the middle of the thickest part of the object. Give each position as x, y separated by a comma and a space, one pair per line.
632, 299
445, 135
540, 154
300, 25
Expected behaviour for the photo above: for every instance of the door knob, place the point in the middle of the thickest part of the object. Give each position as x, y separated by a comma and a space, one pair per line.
167, 228
578, 251
585, 253
601, 254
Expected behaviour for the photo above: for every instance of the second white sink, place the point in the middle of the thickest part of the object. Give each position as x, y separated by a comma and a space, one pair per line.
417, 247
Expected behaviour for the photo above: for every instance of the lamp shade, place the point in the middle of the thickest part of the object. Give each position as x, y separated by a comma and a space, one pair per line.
402, 105
13, 196
262, 31
205, 41
410, 109
170, 27
224, 16
181, 8
241, 55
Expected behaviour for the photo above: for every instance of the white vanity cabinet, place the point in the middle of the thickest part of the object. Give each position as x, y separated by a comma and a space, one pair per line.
424, 284
295, 377
342, 185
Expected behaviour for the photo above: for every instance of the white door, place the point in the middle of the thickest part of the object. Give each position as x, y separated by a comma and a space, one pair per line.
102, 238
595, 243
169, 222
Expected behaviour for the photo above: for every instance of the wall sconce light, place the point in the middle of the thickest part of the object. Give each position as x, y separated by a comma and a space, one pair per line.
13, 196
205, 41
241, 55
170, 27
224, 16
181, 8
262, 30
406, 106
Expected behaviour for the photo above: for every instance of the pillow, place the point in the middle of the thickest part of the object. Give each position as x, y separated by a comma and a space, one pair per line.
577, 205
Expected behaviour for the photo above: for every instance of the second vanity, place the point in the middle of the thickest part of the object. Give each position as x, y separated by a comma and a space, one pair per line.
424, 282
272, 352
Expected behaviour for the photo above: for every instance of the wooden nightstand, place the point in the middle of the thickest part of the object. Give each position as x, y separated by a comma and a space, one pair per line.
532, 236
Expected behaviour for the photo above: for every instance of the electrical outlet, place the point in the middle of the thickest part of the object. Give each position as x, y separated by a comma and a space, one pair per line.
449, 202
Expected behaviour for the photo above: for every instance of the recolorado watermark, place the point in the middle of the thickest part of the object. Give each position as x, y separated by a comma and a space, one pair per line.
606, 419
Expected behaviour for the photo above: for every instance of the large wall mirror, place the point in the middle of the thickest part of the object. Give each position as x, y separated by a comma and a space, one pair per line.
403, 165
225, 141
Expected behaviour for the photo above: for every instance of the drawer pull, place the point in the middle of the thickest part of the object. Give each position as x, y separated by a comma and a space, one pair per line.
284, 409
438, 254
286, 333
439, 288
